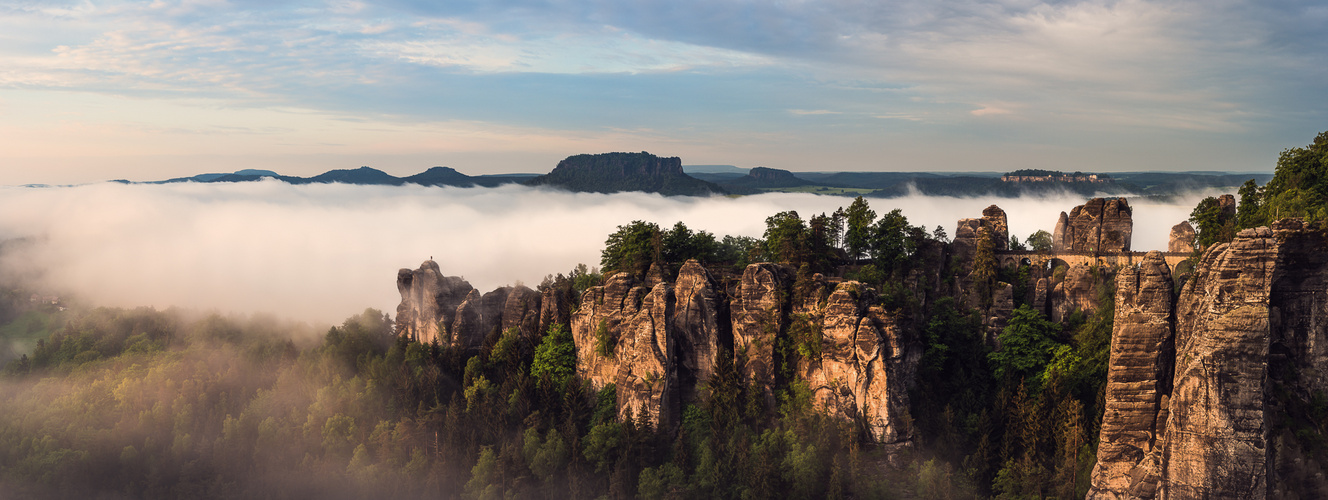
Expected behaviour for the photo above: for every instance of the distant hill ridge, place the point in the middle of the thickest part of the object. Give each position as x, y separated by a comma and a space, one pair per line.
616, 172
436, 176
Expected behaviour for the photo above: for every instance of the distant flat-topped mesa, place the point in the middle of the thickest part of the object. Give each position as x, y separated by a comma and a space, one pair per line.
1099, 226
615, 172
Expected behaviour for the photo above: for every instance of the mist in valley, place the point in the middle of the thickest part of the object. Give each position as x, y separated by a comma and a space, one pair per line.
323, 252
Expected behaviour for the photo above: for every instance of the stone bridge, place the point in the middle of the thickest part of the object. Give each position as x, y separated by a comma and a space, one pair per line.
1010, 258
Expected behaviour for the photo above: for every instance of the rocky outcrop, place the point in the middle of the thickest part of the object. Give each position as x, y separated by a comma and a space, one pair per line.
968, 231
428, 302
646, 376
994, 219
468, 332
521, 311
1215, 433
1077, 291
699, 314
1040, 294
1232, 413
598, 323
622, 336
555, 307
1138, 381
862, 364
998, 315
760, 315
1099, 226
491, 309
1182, 238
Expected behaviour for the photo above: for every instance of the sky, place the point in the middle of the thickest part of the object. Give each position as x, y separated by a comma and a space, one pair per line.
92, 90
322, 252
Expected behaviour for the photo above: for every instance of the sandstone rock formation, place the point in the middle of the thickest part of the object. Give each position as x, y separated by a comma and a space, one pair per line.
1098, 226
633, 323
968, 231
522, 311
646, 377
1182, 238
760, 315
1077, 291
1298, 353
603, 311
998, 315
1216, 436
656, 341
699, 314
1229, 420
1138, 381
467, 330
491, 309
994, 219
864, 363
428, 302
555, 307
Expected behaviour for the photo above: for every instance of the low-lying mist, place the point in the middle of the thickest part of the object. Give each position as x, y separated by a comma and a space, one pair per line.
323, 252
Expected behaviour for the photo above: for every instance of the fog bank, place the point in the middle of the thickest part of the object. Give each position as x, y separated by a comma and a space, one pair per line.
325, 251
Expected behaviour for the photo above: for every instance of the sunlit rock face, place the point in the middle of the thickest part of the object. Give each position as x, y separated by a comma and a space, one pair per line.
1223, 416
1216, 437
623, 336
646, 377
967, 232
698, 316
1181, 238
429, 302
601, 317
760, 316
1138, 381
1099, 226
863, 363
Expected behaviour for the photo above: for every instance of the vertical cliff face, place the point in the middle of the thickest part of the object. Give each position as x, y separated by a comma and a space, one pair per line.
1216, 436
994, 218
864, 363
968, 231
1138, 381
1240, 419
760, 315
597, 326
1100, 225
521, 311
647, 377
1298, 355
623, 336
698, 316
467, 331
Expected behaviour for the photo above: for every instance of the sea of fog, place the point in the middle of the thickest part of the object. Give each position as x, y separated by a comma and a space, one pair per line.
325, 251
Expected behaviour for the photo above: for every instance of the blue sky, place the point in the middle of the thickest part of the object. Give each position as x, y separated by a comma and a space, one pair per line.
95, 90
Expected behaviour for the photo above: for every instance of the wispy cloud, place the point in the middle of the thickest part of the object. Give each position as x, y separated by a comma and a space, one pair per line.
1197, 74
